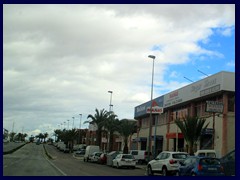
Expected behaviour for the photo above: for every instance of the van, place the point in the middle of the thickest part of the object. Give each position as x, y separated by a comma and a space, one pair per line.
89, 151
141, 156
206, 152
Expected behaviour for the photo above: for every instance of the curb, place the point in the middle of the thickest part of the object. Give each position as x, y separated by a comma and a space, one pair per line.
13, 150
48, 154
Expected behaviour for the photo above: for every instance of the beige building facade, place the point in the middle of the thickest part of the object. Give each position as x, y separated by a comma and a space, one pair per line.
212, 98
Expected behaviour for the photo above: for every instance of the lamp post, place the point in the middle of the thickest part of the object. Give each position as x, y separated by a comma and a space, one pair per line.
73, 123
80, 127
150, 121
110, 105
68, 124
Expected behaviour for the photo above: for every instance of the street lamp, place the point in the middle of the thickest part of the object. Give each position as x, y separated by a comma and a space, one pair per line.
68, 124
150, 121
73, 123
80, 127
110, 105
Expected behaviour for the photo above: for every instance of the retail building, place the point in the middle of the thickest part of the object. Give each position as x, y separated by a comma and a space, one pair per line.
212, 98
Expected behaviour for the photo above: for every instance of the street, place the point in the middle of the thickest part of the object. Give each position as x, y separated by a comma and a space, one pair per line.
77, 167
31, 160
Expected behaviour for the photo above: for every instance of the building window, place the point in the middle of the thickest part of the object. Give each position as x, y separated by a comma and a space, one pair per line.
231, 103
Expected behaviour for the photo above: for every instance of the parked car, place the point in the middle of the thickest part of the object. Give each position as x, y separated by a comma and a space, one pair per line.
206, 153
89, 151
124, 160
141, 156
102, 159
80, 152
111, 156
228, 163
200, 166
76, 147
95, 156
166, 162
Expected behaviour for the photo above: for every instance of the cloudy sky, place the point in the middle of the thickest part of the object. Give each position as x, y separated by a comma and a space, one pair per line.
60, 61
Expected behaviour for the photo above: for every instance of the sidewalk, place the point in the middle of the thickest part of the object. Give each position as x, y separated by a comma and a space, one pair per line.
10, 147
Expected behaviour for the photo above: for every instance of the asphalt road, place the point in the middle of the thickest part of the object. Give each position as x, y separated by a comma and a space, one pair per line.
72, 166
30, 160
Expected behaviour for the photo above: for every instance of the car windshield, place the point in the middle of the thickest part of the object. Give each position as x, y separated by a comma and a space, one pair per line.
209, 161
179, 156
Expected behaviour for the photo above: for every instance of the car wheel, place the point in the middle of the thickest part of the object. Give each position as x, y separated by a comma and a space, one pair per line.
164, 171
149, 171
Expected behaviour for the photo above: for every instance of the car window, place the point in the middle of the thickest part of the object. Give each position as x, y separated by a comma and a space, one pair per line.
209, 161
134, 152
213, 155
201, 154
164, 156
129, 156
179, 156
118, 156
188, 161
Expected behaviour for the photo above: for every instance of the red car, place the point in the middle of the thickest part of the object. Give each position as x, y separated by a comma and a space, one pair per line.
102, 159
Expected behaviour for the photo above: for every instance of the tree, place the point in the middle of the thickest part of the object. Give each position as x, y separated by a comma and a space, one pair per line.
69, 136
98, 119
45, 135
111, 125
127, 128
191, 128
57, 134
12, 134
40, 136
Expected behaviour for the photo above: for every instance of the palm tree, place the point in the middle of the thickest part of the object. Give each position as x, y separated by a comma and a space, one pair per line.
111, 125
127, 128
45, 135
191, 128
57, 134
98, 120
40, 136
12, 134
69, 137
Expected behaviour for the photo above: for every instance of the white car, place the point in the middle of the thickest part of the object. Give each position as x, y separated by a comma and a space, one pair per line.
124, 160
95, 156
166, 163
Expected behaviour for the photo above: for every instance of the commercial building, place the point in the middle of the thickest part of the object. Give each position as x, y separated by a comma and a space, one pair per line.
216, 93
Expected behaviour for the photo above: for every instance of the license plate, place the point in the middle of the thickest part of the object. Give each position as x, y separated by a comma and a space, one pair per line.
212, 169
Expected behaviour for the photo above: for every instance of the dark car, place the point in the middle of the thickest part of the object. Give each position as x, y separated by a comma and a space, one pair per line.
102, 159
80, 152
200, 166
228, 163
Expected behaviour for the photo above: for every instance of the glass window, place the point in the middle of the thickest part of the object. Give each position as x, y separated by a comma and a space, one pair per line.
179, 156
206, 161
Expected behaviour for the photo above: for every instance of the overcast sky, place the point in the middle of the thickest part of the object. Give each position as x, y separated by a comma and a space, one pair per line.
60, 61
